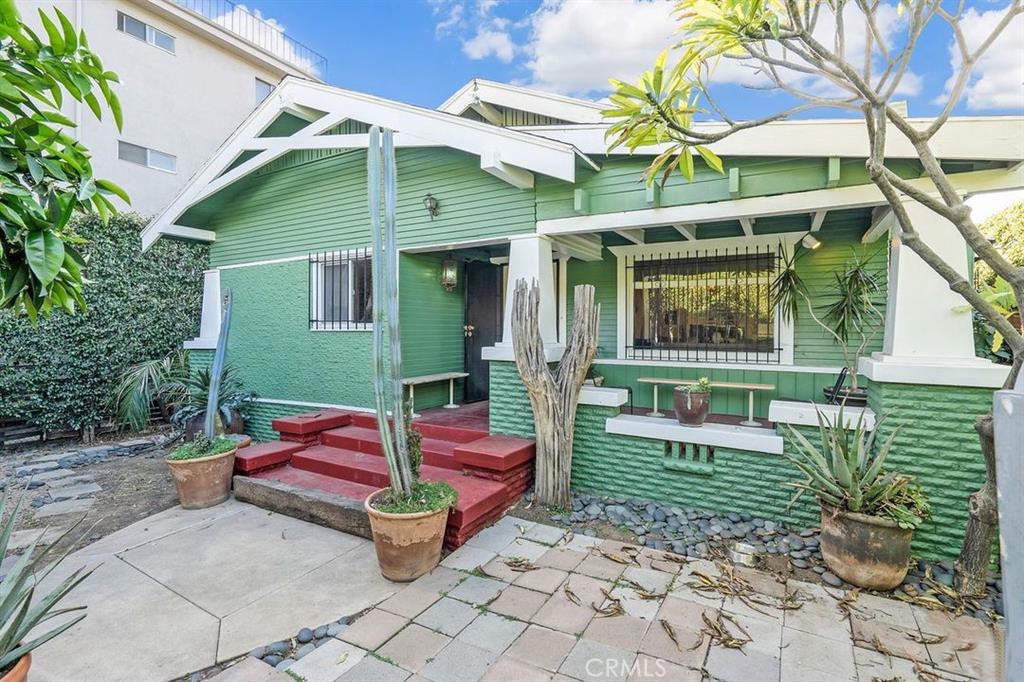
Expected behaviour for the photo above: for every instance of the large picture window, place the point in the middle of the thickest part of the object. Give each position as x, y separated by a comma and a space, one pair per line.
340, 290
711, 306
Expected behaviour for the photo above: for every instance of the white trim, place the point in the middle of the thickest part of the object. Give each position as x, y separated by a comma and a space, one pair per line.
718, 435
209, 324
784, 328
855, 196
603, 396
563, 286
993, 138
479, 91
973, 373
503, 353
257, 263
796, 369
302, 403
806, 414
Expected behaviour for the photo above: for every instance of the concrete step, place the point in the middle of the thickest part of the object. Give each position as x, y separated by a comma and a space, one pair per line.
495, 453
477, 496
307, 496
455, 434
438, 453
305, 427
262, 456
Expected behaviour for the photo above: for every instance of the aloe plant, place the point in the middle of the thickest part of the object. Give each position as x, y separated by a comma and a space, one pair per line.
21, 610
848, 472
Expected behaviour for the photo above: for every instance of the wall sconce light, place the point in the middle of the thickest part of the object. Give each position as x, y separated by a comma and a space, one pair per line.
810, 242
432, 205
449, 274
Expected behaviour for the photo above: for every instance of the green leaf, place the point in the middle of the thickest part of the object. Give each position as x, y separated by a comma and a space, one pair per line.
710, 158
56, 39
14, 282
108, 186
44, 251
70, 41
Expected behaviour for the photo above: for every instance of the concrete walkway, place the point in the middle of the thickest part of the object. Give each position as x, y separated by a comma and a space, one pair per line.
182, 590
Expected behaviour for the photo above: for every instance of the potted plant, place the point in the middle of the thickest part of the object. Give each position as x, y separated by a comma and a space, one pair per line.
22, 611
868, 515
408, 518
692, 402
202, 470
232, 403
850, 316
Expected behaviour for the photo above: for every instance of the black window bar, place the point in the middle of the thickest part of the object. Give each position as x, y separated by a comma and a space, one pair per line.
707, 306
340, 290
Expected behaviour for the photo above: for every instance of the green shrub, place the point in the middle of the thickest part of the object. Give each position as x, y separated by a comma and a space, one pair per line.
63, 373
202, 446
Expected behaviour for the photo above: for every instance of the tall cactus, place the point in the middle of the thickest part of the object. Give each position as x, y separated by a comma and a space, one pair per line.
217, 370
381, 175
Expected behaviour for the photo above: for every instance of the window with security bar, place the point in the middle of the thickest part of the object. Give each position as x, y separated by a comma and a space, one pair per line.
340, 290
713, 306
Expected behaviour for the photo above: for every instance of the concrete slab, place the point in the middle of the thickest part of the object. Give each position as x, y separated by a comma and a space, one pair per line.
327, 662
468, 558
414, 647
506, 669
492, 632
202, 563
518, 602
542, 647
448, 616
524, 549
542, 579
66, 507
252, 670
459, 662
595, 662
477, 590
23, 538
372, 629
70, 492
375, 669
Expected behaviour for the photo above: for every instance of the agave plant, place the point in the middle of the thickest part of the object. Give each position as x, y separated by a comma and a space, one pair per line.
847, 472
230, 396
21, 611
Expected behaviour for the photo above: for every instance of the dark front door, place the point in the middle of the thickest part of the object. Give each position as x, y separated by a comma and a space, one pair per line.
483, 323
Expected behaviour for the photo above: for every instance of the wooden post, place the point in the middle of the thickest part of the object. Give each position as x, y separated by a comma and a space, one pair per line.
553, 395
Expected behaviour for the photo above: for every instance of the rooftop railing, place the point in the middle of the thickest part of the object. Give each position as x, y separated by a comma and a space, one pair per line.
265, 34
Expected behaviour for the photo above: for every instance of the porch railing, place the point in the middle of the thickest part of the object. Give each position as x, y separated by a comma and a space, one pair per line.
702, 306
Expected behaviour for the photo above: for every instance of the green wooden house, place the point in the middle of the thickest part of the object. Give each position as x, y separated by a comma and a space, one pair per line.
502, 183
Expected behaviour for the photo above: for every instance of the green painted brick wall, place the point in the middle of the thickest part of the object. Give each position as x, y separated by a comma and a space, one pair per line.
937, 444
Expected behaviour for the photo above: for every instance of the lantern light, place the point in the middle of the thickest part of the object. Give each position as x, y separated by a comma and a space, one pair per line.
432, 205
811, 242
449, 274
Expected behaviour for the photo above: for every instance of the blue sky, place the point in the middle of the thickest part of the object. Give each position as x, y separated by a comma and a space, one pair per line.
420, 51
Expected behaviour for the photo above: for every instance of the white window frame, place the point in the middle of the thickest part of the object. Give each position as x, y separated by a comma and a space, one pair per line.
148, 164
784, 342
151, 32
344, 256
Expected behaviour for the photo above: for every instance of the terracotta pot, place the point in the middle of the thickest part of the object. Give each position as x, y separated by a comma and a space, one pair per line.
408, 545
204, 481
19, 673
691, 408
867, 551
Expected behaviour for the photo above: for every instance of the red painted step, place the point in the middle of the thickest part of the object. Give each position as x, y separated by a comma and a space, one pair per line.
477, 496
438, 453
495, 453
264, 456
456, 434
308, 479
310, 423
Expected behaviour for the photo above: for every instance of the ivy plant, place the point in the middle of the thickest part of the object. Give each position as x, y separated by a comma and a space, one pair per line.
46, 175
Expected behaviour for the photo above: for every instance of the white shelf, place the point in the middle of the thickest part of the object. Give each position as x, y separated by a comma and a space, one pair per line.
806, 414
718, 435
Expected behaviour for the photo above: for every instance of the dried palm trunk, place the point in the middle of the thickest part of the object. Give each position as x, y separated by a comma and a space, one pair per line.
553, 395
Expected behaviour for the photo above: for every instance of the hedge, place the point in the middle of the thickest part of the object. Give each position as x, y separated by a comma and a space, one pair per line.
140, 306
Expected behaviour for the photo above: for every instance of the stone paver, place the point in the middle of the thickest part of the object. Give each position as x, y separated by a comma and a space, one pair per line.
477, 590
328, 662
548, 535
459, 662
598, 566
70, 492
467, 558
373, 629
448, 616
413, 647
542, 647
518, 602
542, 579
624, 632
410, 602
372, 668
524, 549
499, 569
590, 660
507, 669
648, 578
807, 658
648, 669
65, 507
440, 580
253, 670
494, 539
636, 605
492, 632
561, 558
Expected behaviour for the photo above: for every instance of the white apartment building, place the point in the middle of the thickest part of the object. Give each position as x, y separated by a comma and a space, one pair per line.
190, 71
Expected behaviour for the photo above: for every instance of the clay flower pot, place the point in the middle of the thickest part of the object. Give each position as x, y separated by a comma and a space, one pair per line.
408, 545
867, 551
204, 481
691, 408
19, 673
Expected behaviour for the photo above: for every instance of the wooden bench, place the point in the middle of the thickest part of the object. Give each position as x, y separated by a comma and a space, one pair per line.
750, 388
450, 377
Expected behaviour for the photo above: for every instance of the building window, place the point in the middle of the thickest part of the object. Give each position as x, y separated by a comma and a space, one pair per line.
147, 157
145, 32
713, 306
340, 290
263, 90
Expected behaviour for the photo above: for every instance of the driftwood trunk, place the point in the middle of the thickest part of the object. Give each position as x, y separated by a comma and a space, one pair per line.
982, 520
553, 394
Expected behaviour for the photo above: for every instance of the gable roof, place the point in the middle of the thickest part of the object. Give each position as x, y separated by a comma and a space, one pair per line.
511, 155
482, 95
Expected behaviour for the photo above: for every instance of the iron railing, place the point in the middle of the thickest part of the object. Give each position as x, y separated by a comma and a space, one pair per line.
706, 306
340, 290
266, 35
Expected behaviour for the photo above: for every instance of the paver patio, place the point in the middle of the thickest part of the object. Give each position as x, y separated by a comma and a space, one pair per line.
476, 618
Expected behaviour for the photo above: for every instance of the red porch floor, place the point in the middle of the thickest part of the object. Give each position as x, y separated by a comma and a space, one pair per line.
468, 416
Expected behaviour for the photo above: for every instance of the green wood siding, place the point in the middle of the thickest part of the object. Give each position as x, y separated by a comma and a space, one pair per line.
321, 205
602, 275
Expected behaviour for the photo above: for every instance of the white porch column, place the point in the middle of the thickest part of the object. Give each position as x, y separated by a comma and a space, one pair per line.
530, 259
209, 326
927, 341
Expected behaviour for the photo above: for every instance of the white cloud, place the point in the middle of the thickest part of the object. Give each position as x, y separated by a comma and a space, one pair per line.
997, 80
487, 43
575, 46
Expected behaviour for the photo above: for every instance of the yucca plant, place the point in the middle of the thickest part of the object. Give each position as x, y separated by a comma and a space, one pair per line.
848, 472
21, 611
